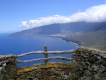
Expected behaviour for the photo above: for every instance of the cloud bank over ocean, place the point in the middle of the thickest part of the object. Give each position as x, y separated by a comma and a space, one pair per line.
95, 13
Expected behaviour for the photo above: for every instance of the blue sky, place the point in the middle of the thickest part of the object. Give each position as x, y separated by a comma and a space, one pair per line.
13, 12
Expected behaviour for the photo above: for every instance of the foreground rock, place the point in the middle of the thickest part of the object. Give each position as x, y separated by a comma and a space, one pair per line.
88, 65
51, 71
7, 67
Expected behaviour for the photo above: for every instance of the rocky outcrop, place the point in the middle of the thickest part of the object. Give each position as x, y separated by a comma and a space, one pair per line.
7, 67
88, 65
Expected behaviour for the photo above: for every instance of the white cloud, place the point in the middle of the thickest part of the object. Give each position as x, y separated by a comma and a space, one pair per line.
93, 14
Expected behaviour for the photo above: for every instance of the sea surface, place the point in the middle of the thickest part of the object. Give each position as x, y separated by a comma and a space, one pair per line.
19, 45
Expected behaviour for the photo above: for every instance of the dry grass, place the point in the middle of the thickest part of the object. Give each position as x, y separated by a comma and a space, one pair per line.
49, 65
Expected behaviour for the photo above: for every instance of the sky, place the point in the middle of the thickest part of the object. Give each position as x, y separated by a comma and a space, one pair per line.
16, 15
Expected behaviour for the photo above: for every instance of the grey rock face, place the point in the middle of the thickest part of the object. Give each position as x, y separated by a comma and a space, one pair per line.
88, 66
8, 70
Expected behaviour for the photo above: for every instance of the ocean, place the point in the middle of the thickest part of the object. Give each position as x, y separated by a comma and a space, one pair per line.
19, 45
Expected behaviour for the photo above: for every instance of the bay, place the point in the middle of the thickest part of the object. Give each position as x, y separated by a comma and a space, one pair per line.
19, 45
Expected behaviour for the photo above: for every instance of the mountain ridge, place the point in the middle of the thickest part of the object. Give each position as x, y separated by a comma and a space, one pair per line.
88, 34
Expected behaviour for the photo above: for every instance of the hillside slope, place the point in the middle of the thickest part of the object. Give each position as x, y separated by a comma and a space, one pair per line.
87, 34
